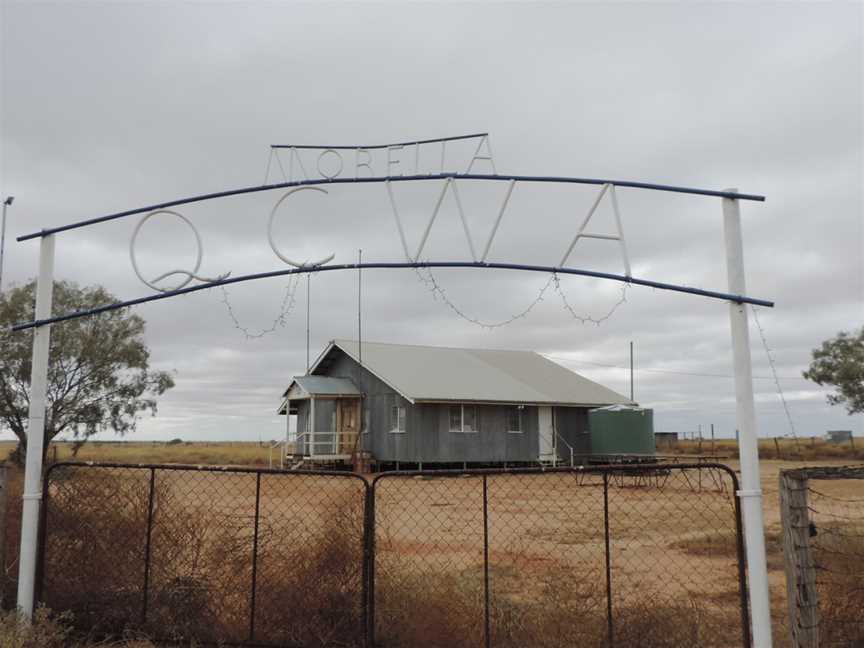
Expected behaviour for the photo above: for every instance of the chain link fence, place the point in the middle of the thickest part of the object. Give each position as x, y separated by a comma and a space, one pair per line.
598, 556
220, 555
822, 513
606, 556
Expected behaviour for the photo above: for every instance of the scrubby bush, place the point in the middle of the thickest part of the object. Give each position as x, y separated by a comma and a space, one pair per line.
43, 632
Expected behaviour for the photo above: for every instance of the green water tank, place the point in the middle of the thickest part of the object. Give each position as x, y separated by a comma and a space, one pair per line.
621, 430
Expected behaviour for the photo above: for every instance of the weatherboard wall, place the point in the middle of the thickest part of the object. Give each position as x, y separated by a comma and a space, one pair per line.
427, 436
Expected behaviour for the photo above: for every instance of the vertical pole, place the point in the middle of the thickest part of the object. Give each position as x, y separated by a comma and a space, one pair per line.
147, 546
488, 638
310, 433
308, 292
370, 565
631, 371
255, 557
610, 635
42, 538
6, 203
746, 639
748, 450
801, 594
35, 431
288, 430
4, 477
359, 305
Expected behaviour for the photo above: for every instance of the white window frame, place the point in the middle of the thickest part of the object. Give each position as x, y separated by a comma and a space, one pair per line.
462, 429
400, 419
519, 412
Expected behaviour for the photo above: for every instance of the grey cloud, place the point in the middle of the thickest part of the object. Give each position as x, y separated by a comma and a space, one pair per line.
108, 107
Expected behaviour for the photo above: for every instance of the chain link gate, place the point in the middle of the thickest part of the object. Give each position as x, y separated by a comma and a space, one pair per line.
603, 556
595, 556
234, 556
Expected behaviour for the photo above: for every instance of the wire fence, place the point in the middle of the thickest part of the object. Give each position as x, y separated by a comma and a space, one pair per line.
231, 556
600, 556
822, 512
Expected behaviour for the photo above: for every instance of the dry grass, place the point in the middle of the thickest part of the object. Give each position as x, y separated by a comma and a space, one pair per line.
726, 544
445, 611
51, 631
804, 449
309, 562
319, 572
840, 589
253, 454
221, 454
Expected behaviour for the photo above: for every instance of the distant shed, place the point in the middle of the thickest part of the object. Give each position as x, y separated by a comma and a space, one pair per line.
838, 436
621, 429
666, 439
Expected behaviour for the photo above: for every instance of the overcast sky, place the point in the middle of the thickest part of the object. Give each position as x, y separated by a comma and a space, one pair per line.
107, 107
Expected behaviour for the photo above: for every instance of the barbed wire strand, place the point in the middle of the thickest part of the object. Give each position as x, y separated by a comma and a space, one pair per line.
773, 366
835, 497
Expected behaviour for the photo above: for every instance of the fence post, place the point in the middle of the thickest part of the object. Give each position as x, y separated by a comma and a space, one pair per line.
32, 495
798, 562
608, 559
364, 594
370, 566
255, 556
3, 522
147, 546
486, 560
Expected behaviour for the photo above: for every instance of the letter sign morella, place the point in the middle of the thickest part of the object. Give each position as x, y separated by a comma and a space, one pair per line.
424, 157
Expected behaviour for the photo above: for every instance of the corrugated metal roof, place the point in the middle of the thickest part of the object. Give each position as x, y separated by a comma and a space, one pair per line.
326, 386
426, 373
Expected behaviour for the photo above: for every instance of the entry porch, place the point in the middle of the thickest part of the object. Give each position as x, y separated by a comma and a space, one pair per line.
328, 412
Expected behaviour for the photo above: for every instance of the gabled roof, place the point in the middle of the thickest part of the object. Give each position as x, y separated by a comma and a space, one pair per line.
324, 386
320, 386
426, 373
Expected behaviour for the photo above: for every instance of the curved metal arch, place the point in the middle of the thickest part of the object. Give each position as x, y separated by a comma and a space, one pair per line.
741, 299
376, 179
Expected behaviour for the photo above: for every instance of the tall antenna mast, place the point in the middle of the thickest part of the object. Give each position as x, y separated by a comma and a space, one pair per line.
359, 303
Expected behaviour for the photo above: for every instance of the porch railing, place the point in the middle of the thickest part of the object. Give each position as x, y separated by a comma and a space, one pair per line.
326, 444
555, 458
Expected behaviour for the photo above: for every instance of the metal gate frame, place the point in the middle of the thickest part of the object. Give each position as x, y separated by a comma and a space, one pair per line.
258, 472
367, 586
617, 470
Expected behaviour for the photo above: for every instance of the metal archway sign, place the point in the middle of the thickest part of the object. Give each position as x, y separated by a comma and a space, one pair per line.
390, 165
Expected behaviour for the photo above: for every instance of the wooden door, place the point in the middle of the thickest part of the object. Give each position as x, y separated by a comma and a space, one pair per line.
347, 423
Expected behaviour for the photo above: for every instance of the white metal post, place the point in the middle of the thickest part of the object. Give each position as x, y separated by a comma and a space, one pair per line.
36, 432
748, 450
311, 431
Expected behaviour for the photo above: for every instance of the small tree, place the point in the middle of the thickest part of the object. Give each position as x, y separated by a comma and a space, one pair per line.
98, 373
840, 363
